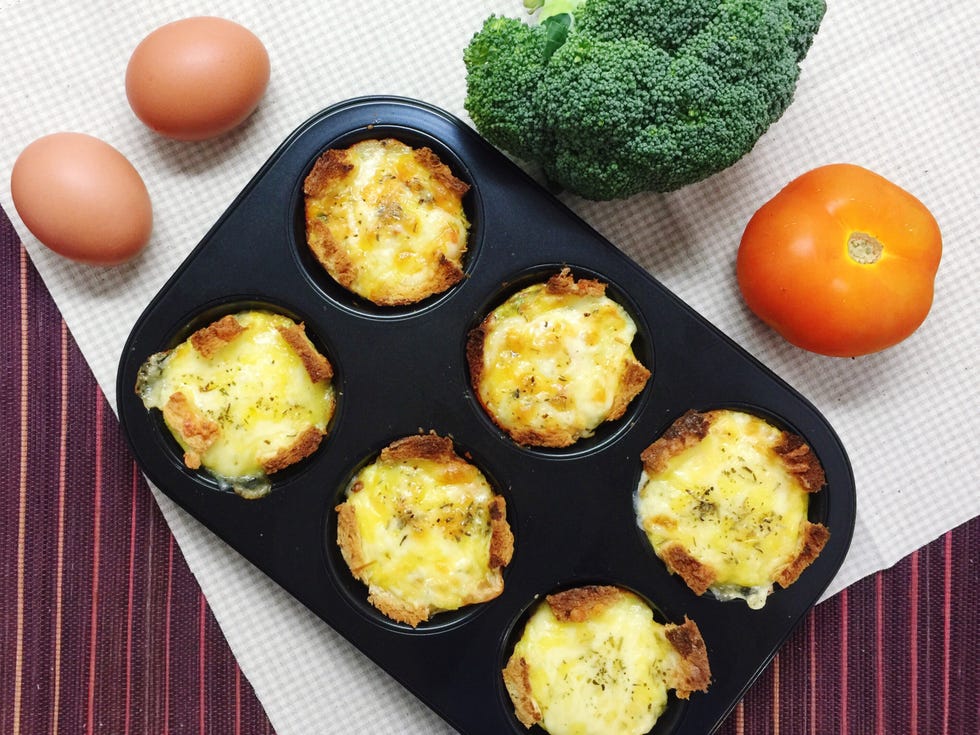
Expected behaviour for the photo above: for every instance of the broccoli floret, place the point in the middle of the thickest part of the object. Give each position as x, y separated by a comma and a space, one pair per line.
617, 97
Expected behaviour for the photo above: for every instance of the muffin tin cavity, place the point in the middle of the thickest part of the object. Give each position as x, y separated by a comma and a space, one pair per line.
317, 274
164, 439
705, 489
669, 720
400, 371
607, 432
355, 592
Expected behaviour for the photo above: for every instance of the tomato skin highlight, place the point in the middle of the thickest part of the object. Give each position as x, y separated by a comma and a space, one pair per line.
840, 262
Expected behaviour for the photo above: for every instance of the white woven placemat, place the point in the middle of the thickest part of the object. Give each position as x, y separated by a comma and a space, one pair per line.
893, 86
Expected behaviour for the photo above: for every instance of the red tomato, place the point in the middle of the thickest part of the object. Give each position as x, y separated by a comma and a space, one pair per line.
841, 261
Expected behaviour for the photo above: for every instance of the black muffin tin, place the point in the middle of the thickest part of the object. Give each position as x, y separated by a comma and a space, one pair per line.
401, 370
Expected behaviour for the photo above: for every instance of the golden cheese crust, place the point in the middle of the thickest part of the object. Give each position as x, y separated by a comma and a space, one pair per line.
407, 515
386, 221
788, 450
533, 409
688, 670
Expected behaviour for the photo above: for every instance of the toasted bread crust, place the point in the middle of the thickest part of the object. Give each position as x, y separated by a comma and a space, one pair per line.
634, 379
196, 429
398, 609
699, 577
211, 338
332, 165
564, 283
317, 366
517, 680
305, 444
447, 274
330, 169
333, 257
685, 432
801, 462
348, 538
578, 604
421, 446
437, 449
501, 536
815, 537
533, 438
694, 673
440, 171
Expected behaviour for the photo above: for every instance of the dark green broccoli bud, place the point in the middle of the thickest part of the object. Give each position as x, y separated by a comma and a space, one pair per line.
510, 57
617, 97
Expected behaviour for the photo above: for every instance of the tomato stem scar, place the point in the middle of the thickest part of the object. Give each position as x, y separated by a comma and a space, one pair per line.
864, 248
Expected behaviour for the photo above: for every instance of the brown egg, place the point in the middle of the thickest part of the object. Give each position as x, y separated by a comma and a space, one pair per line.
197, 78
82, 198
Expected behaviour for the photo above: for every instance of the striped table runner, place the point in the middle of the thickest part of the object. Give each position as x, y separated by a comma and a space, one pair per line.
103, 629
897, 653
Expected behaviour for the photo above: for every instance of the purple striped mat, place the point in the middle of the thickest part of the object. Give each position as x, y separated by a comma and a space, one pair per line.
103, 629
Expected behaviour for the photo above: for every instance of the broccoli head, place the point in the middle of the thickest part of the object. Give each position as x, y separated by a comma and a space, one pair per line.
617, 97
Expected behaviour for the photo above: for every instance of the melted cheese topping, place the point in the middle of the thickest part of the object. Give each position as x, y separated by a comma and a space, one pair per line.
553, 363
255, 388
731, 503
395, 221
606, 674
425, 531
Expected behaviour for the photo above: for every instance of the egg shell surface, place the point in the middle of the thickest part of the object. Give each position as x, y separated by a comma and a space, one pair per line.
82, 198
197, 78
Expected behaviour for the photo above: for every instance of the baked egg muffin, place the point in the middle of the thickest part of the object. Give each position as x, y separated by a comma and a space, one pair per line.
423, 529
386, 220
723, 499
555, 361
245, 397
594, 661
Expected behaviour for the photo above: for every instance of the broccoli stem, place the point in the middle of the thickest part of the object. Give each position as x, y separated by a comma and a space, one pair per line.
556, 17
549, 8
